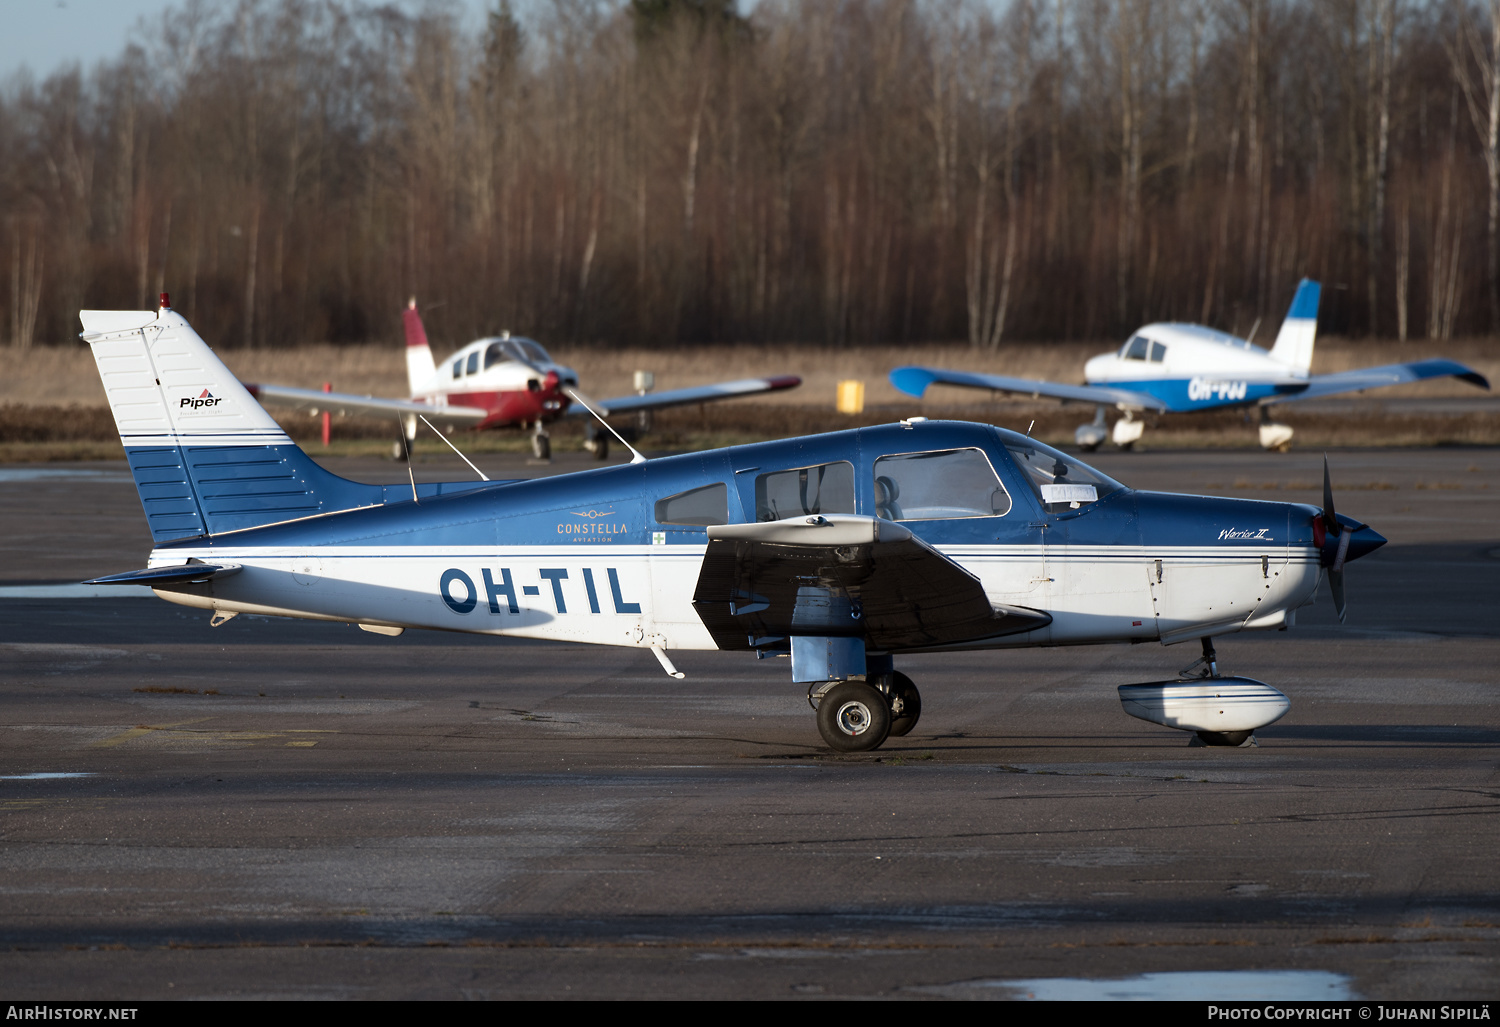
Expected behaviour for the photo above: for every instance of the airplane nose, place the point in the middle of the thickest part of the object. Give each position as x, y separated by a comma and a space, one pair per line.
1364, 542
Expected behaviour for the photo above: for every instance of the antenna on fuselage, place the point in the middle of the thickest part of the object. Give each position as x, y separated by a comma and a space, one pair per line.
482, 475
577, 397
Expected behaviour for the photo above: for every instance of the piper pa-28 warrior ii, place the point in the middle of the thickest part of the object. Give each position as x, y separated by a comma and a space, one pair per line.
501, 382
844, 552
1180, 368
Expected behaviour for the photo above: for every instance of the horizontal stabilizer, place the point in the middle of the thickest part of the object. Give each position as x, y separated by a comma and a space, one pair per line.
914, 382
695, 394
1380, 377
344, 403
177, 575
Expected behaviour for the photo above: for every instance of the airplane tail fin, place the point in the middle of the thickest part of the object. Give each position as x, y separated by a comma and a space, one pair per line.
1294, 343
420, 370
206, 457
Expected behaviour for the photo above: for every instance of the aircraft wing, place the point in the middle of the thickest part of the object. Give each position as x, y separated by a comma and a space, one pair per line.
696, 394
343, 403
914, 381
842, 575
1378, 377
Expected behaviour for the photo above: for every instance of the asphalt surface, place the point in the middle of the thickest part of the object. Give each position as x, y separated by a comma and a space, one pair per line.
284, 809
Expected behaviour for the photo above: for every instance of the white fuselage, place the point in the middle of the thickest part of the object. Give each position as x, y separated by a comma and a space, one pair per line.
642, 595
492, 372
1186, 351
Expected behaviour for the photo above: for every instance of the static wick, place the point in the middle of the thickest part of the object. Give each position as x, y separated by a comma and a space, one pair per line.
1030, 426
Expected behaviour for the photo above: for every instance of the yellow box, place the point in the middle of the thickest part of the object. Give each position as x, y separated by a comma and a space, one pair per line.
851, 396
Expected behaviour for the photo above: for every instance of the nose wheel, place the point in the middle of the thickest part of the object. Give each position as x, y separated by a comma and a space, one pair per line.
541, 442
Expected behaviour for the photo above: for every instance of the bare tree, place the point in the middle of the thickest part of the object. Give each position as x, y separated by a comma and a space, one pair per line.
1475, 57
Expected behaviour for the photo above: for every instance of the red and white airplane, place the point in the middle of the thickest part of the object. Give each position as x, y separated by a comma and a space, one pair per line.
501, 381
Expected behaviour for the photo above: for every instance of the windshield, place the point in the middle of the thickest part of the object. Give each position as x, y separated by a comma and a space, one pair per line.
532, 351
1060, 481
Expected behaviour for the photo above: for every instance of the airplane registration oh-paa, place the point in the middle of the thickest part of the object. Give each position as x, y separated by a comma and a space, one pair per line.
842, 551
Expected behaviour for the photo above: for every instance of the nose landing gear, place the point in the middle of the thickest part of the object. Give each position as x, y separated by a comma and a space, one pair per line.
541, 442
1220, 711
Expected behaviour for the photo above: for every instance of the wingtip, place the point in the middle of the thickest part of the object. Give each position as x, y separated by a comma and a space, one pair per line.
912, 380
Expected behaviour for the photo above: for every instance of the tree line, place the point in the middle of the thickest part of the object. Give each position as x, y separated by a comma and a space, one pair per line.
664, 172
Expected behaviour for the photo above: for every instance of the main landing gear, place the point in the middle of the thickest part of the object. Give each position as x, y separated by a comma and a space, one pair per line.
857, 716
406, 436
596, 441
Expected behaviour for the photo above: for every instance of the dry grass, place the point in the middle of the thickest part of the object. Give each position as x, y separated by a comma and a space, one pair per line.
63, 375
41, 434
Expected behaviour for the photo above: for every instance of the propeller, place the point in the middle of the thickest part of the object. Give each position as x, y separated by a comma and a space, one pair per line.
552, 383
1333, 557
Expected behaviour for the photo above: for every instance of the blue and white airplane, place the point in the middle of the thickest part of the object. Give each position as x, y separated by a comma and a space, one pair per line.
1179, 368
843, 552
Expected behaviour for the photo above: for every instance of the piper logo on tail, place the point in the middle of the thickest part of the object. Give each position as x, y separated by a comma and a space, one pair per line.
198, 402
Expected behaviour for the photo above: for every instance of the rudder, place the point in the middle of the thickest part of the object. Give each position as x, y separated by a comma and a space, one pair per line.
205, 456
420, 369
1294, 343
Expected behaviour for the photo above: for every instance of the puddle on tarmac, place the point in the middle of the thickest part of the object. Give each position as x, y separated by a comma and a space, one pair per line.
43, 776
1181, 986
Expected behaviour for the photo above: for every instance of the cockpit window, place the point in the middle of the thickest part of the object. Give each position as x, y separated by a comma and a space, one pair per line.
1136, 349
706, 505
1158, 352
826, 488
474, 362
1061, 482
941, 485
458, 368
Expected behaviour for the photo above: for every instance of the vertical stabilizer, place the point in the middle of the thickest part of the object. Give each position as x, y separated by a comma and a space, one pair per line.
206, 457
420, 370
1294, 343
